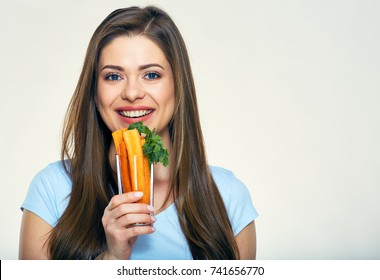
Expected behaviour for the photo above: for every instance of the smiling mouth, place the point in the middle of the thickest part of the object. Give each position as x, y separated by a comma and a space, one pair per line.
135, 114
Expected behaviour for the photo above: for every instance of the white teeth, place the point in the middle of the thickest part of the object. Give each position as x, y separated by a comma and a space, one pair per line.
135, 114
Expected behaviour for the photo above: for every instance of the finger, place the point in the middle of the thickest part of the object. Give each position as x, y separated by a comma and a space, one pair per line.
139, 230
131, 208
131, 220
129, 197
122, 233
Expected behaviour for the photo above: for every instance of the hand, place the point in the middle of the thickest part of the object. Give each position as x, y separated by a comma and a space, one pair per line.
119, 222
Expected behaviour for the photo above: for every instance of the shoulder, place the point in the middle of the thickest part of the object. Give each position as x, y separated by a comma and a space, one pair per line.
218, 171
48, 192
236, 197
227, 182
53, 176
54, 170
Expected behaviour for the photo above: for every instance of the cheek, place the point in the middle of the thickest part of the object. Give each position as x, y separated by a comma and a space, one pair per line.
103, 104
99, 103
168, 97
171, 105
167, 101
104, 97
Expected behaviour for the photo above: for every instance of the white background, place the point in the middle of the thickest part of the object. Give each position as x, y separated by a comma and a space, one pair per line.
289, 95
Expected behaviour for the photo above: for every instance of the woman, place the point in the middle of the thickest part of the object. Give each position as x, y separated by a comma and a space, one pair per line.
136, 69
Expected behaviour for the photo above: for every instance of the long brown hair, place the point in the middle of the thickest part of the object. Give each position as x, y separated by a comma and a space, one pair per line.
203, 218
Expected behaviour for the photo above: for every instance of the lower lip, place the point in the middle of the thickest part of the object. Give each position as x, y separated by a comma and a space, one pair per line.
133, 120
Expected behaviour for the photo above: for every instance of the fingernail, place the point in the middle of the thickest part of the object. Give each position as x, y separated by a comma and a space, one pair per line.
153, 229
150, 208
153, 218
139, 194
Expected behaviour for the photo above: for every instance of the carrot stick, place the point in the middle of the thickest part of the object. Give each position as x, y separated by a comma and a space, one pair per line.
122, 152
129, 145
135, 157
118, 138
146, 190
125, 175
147, 194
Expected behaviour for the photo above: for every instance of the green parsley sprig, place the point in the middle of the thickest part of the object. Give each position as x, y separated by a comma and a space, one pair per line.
153, 148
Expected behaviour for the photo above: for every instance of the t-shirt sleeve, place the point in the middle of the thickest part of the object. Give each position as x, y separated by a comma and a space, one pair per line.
45, 196
236, 197
240, 210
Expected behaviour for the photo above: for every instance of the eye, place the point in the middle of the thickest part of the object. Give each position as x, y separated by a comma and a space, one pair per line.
113, 77
152, 76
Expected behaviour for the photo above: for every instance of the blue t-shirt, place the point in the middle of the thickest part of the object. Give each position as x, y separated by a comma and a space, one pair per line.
48, 197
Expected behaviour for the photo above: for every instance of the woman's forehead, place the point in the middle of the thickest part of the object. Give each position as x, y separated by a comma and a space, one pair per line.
132, 51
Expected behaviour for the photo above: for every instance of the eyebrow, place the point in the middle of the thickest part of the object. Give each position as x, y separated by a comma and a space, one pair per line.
114, 67
146, 66
142, 67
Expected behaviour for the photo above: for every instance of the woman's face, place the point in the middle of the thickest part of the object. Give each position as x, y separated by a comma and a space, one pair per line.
135, 83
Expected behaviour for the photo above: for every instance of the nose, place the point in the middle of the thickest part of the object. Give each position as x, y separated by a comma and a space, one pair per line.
132, 91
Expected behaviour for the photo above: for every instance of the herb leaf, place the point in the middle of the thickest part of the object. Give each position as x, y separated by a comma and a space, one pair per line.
140, 127
153, 148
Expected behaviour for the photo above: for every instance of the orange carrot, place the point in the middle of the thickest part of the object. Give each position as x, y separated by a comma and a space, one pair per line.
128, 144
122, 152
118, 138
124, 168
147, 194
146, 190
132, 141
